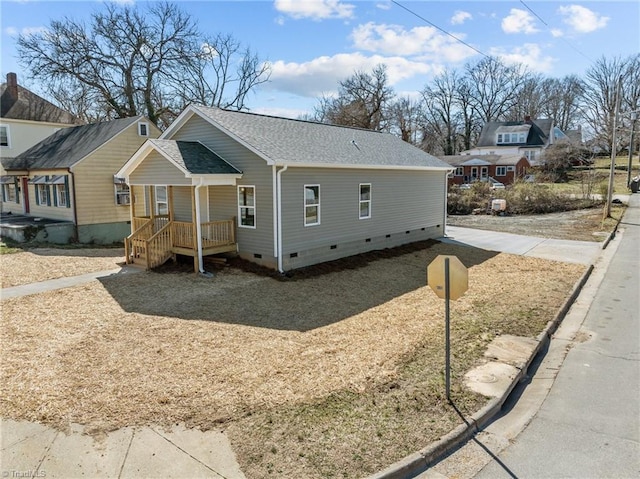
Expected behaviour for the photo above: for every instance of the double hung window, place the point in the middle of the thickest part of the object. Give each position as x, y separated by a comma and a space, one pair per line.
365, 201
311, 205
247, 206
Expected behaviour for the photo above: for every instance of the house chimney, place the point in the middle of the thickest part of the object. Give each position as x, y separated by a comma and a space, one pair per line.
527, 119
12, 86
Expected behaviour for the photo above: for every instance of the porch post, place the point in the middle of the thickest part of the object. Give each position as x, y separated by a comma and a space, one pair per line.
132, 206
196, 260
152, 202
170, 200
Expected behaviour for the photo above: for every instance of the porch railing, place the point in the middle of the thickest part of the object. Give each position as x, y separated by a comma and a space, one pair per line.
158, 247
155, 239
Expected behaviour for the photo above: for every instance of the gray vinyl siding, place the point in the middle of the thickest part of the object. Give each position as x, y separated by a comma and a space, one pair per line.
182, 203
157, 170
406, 206
223, 203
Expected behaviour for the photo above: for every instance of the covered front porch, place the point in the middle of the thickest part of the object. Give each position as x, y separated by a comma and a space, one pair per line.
157, 239
181, 199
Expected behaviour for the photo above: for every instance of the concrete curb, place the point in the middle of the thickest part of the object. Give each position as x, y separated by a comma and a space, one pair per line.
418, 462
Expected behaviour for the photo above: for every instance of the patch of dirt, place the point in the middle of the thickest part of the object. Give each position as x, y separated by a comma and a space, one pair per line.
41, 264
581, 225
333, 372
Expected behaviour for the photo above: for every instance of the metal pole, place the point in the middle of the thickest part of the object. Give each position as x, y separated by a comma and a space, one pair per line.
447, 350
614, 141
634, 116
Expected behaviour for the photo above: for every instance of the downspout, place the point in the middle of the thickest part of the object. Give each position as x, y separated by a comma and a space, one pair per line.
75, 208
279, 208
446, 201
199, 226
274, 208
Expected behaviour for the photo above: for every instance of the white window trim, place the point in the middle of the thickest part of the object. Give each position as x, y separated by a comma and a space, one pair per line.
502, 169
61, 199
43, 188
155, 191
361, 201
305, 205
253, 207
122, 194
8, 145
459, 171
474, 169
484, 172
140, 125
7, 187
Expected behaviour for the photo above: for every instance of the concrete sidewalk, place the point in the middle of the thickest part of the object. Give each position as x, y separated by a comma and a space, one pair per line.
33, 450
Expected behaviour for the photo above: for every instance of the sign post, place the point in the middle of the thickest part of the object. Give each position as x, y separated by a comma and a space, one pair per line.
449, 279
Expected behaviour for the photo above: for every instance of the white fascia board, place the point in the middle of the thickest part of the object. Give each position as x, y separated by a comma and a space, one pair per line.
140, 155
215, 180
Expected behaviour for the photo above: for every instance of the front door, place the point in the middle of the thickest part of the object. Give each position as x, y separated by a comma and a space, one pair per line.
25, 194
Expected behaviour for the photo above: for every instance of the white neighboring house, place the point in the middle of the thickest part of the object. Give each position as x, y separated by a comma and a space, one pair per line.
26, 119
528, 139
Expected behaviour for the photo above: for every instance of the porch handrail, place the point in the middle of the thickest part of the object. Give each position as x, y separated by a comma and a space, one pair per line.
158, 247
217, 233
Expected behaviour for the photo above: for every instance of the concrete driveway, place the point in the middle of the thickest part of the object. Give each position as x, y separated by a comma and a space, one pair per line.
580, 252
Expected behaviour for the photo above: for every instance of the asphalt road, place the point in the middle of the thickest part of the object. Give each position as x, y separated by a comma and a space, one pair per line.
578, 414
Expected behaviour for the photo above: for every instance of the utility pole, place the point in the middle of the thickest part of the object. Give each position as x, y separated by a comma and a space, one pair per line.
634, 117
614, 142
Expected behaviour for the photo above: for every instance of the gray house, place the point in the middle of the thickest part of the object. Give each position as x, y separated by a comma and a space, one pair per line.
283, 193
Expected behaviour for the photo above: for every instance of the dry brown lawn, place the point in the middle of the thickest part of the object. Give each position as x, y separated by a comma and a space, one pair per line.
41, 264
327, 376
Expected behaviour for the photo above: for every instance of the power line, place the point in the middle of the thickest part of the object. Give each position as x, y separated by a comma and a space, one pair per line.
441, 29
549, 28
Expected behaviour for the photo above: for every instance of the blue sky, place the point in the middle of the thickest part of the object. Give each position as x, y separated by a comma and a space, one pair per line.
313, 44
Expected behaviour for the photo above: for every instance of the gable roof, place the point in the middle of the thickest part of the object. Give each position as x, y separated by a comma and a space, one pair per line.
284, 141
193, 157
18, 103
68, 146
539, 132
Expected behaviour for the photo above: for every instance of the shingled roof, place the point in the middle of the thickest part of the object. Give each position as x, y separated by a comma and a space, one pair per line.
68, 146
285, 141
19, 103
539, 131
193, 157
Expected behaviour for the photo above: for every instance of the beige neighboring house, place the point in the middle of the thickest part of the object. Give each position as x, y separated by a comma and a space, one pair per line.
26, 118
68, 178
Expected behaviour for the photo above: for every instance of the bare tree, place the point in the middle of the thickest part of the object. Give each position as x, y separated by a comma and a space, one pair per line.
363, 101
599, 97
530, 102
494, 87
443, 113
562, 101
404, 119
235, 72
128, 61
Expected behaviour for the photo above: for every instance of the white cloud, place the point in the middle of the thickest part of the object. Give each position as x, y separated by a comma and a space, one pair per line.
386, 5
322, 75
519, 21
556, 33
530, 54
426, 42
581, 19
459, 17
315, 9
13, 31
